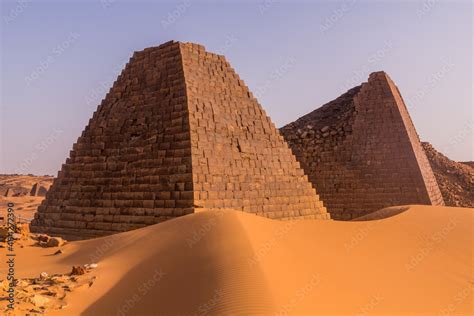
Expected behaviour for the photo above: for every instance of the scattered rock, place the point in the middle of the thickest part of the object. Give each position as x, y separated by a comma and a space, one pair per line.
90, 266
59, 279
48, 241
55, 242
43, 238
58, 252
3, 233
324, 129
46, 292
4, 285
78, 270
23, 229
38, 300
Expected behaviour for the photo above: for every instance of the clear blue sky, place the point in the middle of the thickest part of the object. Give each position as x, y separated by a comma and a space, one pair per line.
59, 59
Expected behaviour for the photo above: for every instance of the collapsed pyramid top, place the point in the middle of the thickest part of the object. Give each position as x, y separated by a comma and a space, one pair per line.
362, 153
177, 133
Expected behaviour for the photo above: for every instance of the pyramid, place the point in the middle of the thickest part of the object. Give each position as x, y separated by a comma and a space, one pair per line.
10, 192
178, 133
38, 190
362, 153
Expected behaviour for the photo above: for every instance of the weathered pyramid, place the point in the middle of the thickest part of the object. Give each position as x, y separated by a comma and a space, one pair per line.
362, 153
178, 132
38, 190
10, 192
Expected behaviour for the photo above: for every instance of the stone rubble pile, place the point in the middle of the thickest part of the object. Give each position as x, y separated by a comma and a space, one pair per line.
455, 179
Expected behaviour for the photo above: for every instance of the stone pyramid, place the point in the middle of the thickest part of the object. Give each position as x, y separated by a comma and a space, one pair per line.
362, 153
179, 132
38, 190
9, 192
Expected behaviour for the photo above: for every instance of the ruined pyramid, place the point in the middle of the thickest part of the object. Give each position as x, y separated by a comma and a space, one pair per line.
362, 153
179, 132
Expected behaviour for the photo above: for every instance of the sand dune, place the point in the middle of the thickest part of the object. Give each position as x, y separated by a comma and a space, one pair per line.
417, 262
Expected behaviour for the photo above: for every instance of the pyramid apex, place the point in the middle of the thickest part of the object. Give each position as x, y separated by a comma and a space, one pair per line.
380, 73
146, 50
193, 47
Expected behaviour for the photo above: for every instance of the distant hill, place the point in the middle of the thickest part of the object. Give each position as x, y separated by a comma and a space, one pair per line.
469, 163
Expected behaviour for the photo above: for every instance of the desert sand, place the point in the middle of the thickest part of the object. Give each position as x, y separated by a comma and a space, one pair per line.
25, 206
418, 261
